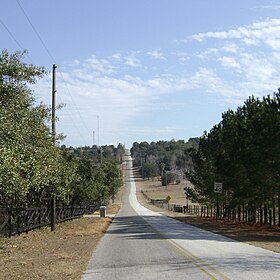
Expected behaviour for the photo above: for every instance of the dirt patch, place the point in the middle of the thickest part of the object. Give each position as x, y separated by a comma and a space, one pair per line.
264, 237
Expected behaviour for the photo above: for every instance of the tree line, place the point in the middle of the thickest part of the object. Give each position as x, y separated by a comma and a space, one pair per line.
31, 166
163, 158
243, 152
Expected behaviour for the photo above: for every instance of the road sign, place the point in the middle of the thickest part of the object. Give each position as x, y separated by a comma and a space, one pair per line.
218, 187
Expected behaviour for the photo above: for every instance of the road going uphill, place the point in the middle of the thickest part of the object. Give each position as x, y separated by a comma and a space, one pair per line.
142, 244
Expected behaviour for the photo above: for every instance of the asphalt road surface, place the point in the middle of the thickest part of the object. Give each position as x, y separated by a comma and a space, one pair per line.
142, 244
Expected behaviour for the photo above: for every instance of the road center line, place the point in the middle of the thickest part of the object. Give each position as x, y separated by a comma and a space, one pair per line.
199, 263
202, 265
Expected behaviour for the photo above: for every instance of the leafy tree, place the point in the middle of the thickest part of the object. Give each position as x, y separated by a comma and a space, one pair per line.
28, 159
167, 178
32, 168
149, 170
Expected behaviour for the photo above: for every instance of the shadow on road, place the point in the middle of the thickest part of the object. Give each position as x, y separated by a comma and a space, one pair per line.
142, 227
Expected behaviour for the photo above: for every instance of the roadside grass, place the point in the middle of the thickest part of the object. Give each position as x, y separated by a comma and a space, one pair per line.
62, 254
43, 254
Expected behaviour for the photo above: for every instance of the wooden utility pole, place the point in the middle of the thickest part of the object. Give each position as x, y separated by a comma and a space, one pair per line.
53, 101
53, 206
98, 131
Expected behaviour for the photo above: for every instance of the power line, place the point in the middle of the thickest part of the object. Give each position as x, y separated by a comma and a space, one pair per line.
51, 56
72, 98
14, 38
21, 47
34, 29
11, 34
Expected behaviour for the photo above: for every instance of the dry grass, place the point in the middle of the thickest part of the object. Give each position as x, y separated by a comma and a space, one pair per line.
43, 254
63, 254
155, 190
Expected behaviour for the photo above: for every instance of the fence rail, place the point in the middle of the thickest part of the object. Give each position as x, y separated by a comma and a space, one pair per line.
262, 216
18, 220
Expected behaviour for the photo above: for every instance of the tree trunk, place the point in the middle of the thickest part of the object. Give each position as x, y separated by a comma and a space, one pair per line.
273, 210
265, 214
279, 208
270, 217
243, 213
239, 214
261, 216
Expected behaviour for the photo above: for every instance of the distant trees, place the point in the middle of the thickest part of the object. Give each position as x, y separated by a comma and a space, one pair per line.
149, 170
158, 157
95, 182
31, 166
167, 178
242, 151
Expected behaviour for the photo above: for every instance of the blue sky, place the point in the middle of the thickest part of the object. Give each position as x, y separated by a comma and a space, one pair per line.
148, 70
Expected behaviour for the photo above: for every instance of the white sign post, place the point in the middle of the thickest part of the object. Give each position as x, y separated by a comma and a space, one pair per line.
218, 187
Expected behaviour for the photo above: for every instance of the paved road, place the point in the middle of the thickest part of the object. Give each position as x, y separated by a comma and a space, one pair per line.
141, 244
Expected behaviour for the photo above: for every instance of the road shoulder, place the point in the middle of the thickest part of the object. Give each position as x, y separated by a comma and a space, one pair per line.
265, 238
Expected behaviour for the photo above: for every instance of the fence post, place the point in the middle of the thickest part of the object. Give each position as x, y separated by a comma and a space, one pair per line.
26, 220
40, 216
18, 222
53, 211
10, 222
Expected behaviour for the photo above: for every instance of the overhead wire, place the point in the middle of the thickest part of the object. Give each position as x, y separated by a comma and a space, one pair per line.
14, 38
23, 49
20, 46
62, 77
34, 29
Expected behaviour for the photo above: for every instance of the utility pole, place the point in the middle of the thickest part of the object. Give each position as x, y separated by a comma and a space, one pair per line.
52, 204
98, 130
101, 151
93, 138
53, 101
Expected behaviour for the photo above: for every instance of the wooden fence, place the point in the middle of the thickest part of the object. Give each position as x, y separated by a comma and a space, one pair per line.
239, 214
270, 217
18, 220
